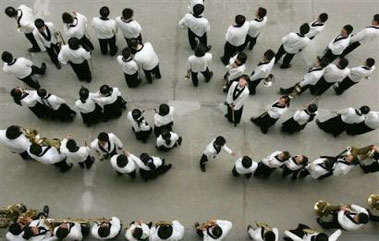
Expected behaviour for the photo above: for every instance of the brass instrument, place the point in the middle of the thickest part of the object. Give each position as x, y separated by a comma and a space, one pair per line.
323, 208
164, 223
31, 134
361, 153
55, 222
10, 214
34, 137
373, 201
310, 231
263, 225
206, 225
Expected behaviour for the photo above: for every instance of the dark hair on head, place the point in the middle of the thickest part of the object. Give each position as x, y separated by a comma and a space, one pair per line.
166, 135
122, 160
71, 145
376, 18
348, 28
262, 12
304, 28
217, 231
343, 63
136, 114
305, 160
242, 57
62, 233
312, 108
126, 53
35, 149
198, 9
220, 141
323, 62
103, 136
41, 92
269, 54
245, 77
28, 233
287, 99
323, 17
104, 12
67, 18
165, 231
164, 109
246, 162
73, 43
364, 109
16, 94
13, 132
363, 218
127, 13
144, 157
11, 12
370, 62
83, 94
200, 49
286, 155
105, 89
6, 57
15, 229
322, 237
39, 23
104, 231
134, 43
240, 20
269, 236
137, 233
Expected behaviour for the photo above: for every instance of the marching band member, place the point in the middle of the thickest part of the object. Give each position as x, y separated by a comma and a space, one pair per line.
37, 230
374, 166
349, 218
106, 229
300, 119
305, 233
129, 67
234, 69
80, 155
236, 98
294, 165
140, 127
110, 99
75, 26
262, 70
77, 57
124, 164
193, 3
337, 46
90, 111
272, 115
213, 230
106, 30
30, 99
129, 27
151, 167
317, 26
244, 166
292, 44
167, 140
46, 33
57, 109
318, 169
213, 149
161, 231
370, 123
355, 76
255, 27
16, 141
138, 231
263, 233
69, 231
199, 62
344, 164
271, 162
163, 119
23, 69
106, 145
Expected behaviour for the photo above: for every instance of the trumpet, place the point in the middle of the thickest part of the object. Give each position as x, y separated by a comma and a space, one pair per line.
373, 201
323, 208
11, 214
263, 225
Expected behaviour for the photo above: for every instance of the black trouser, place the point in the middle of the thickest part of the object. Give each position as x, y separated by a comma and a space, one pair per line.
320, 87
192, 39
234, 116
203, 160
253, 85
158, 130
63, 166
82, 71
304, 172
236, 174
53, 52
24, 155
230, 51
263, 170
132, 81
132, 174
155, 71
112, 45
33, 41
286, 172
29, 80
143, 135
344, 85
332, 224
251, 41
88, 162
299, 231
86, 43
350, 48
128, 41
287, 58
330, 56
195, 80
374, 167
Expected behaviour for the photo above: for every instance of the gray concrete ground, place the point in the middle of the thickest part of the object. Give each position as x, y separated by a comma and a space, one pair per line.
185, 193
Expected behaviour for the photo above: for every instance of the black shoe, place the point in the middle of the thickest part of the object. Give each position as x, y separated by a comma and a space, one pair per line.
318, 123
46, 210
203, 168
114, 52
32, 50
210, 77
209, 47
249, 227
320, 222
180, 140
364, 168
90, 162
286, 67
58, 65
282, 91
81, 164
197, 224
43, 67
67, 168
264, 130
223, 61
158, 76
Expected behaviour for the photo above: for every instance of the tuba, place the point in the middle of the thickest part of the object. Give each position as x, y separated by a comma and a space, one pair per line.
31, 134
373, 201
323, 208
10, 214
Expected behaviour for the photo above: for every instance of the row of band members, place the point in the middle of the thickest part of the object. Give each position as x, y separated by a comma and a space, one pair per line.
41, 227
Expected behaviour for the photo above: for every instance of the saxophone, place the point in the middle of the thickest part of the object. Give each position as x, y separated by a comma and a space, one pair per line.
323, 208
373, 201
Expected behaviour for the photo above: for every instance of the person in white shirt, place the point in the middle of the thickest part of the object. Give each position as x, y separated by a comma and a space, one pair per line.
77, 57
70, 231
75, 25
273, 161
318, 169
374, 166
300, 119
344, 163
38, 230
349, 218
198, 26
16, 141
234, 70
146, 58
129, 68
262, 71
168, 140
23, 69
263, 233
90, 111
214, 230
124, 164
292, 44
25, 23
235, 38
106, 30
272, 115
355, 76
129, 27
317, 26
244, 166
236, 98
138, 231
57, 109
163, 119
167, 231
339, 44
106, 229
332, 74
106, 145
255, 27
199, 62
76, 154
46, 33
150, 167
370, 123
345, 120
30, 99
212, 150
364, 36
294, 165
301, 233
111, 100
140, 127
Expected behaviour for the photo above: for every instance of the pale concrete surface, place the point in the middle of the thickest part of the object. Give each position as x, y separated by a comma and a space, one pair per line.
185, 193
